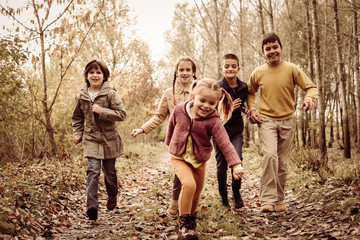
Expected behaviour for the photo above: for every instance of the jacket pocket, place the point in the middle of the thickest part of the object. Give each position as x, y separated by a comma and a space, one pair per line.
89, 134
202, 153
110, 133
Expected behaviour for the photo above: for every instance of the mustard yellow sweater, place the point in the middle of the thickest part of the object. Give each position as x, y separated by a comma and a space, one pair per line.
277, 85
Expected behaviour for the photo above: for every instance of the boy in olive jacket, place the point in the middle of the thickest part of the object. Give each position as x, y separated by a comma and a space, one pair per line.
98, 106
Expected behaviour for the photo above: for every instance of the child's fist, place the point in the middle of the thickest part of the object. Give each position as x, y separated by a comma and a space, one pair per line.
77, 139
238, 173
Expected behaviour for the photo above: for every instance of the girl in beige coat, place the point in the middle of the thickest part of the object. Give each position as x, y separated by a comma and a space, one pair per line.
185, 72
98, 106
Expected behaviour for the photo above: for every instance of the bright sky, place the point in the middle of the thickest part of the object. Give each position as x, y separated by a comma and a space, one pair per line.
154, 18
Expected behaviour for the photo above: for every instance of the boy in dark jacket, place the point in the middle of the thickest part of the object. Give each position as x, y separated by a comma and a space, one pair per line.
234, 127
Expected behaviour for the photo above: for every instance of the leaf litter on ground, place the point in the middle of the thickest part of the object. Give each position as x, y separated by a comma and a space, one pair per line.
46, 200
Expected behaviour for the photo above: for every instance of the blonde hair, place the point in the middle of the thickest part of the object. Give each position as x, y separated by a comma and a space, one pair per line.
225, 106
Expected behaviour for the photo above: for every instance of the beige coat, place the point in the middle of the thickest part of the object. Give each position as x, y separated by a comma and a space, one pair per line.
166, 106
99, 131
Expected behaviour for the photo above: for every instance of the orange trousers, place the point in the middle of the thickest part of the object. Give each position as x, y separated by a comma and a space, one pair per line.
192, 182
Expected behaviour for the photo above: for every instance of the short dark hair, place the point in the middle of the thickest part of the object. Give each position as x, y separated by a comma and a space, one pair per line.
270, 38
94, 64
231, 56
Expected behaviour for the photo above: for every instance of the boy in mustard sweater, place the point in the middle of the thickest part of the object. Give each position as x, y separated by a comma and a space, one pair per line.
275, 117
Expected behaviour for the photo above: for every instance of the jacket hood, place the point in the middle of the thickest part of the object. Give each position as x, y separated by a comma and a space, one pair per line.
214, 114
104, 90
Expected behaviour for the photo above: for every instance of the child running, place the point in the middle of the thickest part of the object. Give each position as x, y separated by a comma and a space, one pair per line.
234, 127
191, 127
185, 72
98, 106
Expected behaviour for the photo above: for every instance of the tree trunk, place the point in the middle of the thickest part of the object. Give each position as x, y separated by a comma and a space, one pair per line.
340, 71
261, 15
271, 16
242, 66
356, 74
337, 110
310, 129
47, 111
319, 82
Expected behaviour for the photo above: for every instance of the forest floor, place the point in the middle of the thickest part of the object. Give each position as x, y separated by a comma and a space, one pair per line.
46, 200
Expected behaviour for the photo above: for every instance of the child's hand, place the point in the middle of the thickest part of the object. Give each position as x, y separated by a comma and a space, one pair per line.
238, 173
246, 111
136, 132
77, 139
96, 108
308, 105
254, 117
237, 103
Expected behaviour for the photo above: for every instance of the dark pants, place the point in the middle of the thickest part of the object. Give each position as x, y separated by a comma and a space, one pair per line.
92, 181
176, 188
222, 167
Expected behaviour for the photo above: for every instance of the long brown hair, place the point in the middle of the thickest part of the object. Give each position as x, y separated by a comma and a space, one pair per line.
193, 67
225, 107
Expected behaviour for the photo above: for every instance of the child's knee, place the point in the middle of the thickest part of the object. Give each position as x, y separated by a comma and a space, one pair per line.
189, 186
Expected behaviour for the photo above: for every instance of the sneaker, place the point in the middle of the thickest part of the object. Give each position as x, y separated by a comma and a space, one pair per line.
267, 208
173, 207
280, 207
238, 202
111, 203
92, 212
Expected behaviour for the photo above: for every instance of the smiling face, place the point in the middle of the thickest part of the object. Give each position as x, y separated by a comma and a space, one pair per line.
184, 73
205, 102
95, 77
230, 68
272, 52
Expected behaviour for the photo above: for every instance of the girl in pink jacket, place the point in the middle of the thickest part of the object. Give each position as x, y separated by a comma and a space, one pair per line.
191, 127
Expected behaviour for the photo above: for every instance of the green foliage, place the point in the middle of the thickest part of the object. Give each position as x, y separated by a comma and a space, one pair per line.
12, 57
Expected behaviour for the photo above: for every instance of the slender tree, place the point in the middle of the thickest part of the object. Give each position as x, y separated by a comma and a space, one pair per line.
356, 70
319, 81
341, 74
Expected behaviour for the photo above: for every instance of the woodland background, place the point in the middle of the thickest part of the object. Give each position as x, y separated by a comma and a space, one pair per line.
42, 60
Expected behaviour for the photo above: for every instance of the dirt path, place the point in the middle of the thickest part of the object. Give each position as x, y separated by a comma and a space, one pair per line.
141, 212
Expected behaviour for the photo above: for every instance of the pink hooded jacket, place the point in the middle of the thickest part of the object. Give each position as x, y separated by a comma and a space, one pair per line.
201, 131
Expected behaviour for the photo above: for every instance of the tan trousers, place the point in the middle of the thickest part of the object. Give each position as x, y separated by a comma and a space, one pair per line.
192, 182
276, 138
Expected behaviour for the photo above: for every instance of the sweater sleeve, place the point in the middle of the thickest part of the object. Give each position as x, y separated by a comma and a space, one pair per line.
223, 142
170, 129
306, 85
252, 89
159, 117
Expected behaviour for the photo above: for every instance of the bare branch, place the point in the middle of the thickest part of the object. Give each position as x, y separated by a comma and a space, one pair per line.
15, 19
